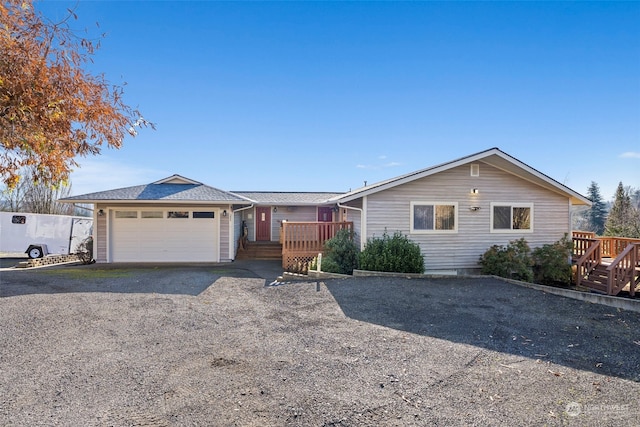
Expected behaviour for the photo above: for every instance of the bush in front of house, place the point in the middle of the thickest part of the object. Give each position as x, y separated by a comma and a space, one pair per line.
340, 253
551, 263
512, 261
392, 254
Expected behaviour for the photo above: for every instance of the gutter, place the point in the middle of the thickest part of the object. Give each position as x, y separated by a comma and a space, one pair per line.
242, 209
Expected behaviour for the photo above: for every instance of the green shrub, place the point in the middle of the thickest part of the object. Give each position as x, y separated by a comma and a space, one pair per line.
392, 254
551, 262
341, 253
512, 261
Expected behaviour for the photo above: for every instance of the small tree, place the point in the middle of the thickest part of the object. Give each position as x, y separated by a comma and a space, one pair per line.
392, 254
596, 215
341, 253
51, 108
37, 196
624, 218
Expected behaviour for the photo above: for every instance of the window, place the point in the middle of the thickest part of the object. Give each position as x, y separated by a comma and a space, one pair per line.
434, 217
126, 214
178, 214
151, 214
18, 219
506, 217
203, 215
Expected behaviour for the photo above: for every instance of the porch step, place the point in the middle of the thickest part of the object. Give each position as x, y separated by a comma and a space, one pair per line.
261, 250
597, 279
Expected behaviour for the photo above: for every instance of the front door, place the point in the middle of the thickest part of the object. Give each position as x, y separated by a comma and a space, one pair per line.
263, 223
325, 214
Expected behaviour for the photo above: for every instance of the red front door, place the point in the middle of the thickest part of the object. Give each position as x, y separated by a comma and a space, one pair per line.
263, 223
325, 214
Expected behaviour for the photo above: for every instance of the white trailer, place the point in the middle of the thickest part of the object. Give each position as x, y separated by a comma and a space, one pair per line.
40, 234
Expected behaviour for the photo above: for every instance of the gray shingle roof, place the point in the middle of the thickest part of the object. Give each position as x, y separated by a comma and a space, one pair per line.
161, 192
287, 198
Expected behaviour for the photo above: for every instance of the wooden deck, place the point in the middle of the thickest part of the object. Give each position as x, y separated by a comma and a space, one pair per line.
303, 241
591, 255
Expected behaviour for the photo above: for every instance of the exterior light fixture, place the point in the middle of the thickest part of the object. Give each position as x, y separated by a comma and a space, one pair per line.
275, 209
224, 212
474, 208
100, 212
474, 191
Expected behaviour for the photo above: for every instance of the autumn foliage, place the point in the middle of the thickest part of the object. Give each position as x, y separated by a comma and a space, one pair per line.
51, 109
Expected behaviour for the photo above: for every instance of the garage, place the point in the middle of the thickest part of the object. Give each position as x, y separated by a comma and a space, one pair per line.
164, 235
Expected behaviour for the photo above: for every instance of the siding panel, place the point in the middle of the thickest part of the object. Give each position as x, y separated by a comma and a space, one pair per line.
390, 210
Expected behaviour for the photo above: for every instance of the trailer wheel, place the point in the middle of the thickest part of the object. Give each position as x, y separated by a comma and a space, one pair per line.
35, 252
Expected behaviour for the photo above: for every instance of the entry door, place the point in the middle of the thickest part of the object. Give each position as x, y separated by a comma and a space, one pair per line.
325, 214
263, 223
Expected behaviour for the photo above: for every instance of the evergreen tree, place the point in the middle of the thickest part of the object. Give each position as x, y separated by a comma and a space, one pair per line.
623, 218
597, 214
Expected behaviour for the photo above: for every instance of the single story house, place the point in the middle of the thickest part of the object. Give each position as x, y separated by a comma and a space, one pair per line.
454, 211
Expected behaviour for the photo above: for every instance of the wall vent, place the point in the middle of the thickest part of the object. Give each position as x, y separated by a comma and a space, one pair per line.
475, 169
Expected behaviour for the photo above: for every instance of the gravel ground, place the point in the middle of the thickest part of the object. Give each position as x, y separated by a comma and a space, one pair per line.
217, 346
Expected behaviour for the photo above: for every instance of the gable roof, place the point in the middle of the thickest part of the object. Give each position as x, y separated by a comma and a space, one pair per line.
173, 189
493, 156
280, 198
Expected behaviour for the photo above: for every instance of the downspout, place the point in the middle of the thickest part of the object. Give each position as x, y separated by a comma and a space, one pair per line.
363, 226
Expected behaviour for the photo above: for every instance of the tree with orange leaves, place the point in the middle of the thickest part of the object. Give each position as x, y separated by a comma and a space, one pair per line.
51, 109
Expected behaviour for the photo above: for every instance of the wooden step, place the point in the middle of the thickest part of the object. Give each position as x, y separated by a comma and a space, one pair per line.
261, 250
594, 285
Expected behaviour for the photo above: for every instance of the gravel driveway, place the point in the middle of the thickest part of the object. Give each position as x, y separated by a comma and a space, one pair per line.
217, 346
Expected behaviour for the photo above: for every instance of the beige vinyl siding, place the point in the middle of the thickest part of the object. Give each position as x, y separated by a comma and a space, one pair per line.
291, 213
390, 210
100, 234
355, 216
225, 230
248, 216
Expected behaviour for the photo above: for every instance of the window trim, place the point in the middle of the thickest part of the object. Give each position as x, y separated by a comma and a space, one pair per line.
511, 230
434, 204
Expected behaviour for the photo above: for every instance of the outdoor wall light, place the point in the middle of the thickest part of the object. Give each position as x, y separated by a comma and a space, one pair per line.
474, 208
275, 209
474, 191
224, 212
100, 212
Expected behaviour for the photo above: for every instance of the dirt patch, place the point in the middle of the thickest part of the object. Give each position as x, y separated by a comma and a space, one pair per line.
356, 352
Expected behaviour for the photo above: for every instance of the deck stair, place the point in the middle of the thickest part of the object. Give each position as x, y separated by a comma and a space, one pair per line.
597, 279
260, 250
606, 275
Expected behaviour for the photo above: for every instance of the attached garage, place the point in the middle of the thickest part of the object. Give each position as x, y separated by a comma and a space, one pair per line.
167, 235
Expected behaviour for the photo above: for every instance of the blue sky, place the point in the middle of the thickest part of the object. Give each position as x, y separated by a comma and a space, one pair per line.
305, 96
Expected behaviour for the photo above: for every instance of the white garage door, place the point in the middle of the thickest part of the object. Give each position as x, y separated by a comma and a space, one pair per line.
165, 235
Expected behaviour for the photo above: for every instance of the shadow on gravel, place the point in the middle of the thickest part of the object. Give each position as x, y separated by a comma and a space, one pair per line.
159, 279
501, 317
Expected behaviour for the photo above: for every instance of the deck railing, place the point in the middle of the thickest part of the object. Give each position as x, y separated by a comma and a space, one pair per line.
624, 270
588, 259
610, 246
588, 251
302, 241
